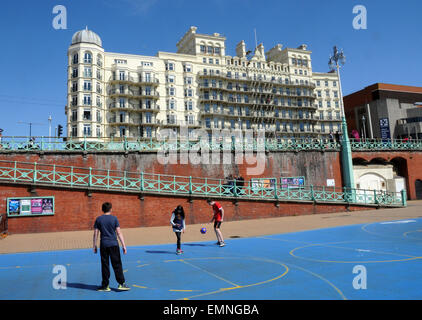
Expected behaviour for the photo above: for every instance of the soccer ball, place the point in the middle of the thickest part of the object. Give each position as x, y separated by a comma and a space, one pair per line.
204, 230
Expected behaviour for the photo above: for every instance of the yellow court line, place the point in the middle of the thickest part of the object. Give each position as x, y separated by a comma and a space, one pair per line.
180, 290
142, 287
210, 273
143, 265
244, 286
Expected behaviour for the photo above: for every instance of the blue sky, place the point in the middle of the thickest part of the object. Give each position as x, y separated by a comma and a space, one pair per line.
33, 54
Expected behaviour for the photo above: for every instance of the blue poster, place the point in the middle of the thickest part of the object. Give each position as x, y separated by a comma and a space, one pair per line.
385, 129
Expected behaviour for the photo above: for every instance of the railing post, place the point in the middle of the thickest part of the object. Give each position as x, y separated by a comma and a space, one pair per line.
35, 172
190, 185
275, 190
14, 172
142, 181
404, 198
42, 143
71, 176
235, 188
85, 142
54, 173
375, 197
90, 177
312, 193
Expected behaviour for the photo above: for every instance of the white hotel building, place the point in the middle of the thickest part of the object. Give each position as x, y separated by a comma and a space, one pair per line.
134, 96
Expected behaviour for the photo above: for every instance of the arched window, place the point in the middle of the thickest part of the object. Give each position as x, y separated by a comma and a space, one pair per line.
99, 61
88, 57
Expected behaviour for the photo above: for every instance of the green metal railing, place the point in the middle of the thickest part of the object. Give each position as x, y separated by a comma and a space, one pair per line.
142, 182
12, 144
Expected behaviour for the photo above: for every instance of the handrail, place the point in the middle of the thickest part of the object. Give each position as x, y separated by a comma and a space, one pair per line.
10, 144
57, 175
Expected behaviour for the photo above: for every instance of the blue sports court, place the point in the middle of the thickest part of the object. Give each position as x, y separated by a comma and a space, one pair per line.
371, 261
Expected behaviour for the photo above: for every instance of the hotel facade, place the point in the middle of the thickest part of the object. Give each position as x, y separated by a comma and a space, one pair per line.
116, 95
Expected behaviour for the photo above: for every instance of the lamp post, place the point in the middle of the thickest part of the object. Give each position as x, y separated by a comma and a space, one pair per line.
363, 127
337, 60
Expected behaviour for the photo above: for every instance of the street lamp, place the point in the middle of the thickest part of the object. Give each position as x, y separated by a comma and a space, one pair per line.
337, 60
364, 126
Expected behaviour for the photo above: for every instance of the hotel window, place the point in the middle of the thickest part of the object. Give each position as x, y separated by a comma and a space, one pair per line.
171, 91
322, 128
318, 83
188, 105
335, 94
87, 130
337, 115
74, 86
75, 58
337, 104
204, 60
232, 124
122, 103
122, 75
210, 49
170, 66
326, 83
320, 104
147, 91
217, 50
188, 80
87, 72
87, 115
74, 100
207, 108
74, 115
334, 83
330, 115
98, 116
188, 92
75, 73
87, 57
87, 85
170, 79
208, 123
321, 115
187, 68
147, 77
217, 61
171, 104
98, 131
148, 117
202, 48
87, 100
328, 104
210, 61
74, 131
122, 131
149, 132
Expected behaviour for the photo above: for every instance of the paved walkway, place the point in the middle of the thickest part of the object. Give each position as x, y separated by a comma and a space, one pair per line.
233, 229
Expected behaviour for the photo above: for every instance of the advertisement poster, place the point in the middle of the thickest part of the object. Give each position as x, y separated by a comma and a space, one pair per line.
25, 206
47, 205
36, 207
14, 207
292, 183
17, 207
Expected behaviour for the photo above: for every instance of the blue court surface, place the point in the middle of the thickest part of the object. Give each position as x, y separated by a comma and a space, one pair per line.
372, 261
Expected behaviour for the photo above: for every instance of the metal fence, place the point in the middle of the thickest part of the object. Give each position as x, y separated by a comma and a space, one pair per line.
142, 182
12, 144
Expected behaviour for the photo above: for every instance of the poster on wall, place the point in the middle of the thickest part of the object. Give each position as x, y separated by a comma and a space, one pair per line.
30, 206
263, 183
292, 182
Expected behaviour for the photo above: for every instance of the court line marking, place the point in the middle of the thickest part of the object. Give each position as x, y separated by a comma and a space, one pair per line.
242, 286
406, 234
364, 228
326, 244
337, 261
210, 273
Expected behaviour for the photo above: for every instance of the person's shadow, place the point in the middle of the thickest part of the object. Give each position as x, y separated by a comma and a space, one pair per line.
87, 286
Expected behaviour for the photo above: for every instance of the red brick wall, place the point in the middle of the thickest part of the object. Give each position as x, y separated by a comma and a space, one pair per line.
75, 210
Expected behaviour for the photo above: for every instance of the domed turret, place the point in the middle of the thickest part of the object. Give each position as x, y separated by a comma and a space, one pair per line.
87, 36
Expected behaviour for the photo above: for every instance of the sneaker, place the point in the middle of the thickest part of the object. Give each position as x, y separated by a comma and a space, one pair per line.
178, 251
123, 287
222, 244
104, 289
218, 243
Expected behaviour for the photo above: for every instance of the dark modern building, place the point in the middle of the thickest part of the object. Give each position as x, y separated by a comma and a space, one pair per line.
385, 111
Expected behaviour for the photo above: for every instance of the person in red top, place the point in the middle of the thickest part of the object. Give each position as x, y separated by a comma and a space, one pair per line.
217, 218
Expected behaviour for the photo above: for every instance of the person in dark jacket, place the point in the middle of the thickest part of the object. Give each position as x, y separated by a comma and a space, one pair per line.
177, 220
